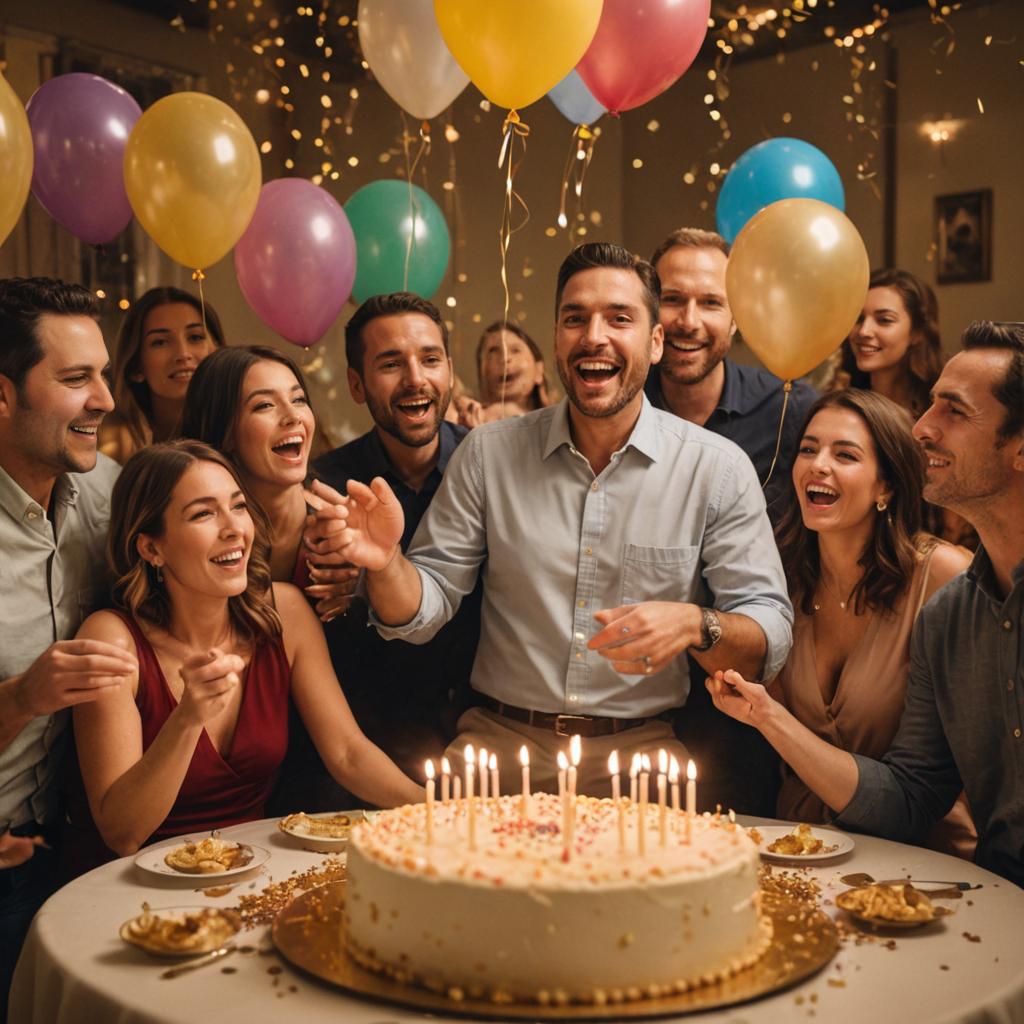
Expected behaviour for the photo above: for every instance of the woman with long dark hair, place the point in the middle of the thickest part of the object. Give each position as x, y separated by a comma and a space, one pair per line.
859, 568
192, 742
251, 403
164, 336
895, 349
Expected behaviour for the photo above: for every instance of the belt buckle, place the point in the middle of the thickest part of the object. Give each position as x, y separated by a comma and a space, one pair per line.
560, 729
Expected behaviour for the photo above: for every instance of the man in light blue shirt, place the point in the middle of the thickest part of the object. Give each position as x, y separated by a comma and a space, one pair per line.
612, 539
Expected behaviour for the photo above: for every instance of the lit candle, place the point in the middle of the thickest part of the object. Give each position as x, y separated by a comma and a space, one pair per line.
634, 770
613, 770
524, 760
430, 803
673, 778
456, 788
645, 781
469, 762
446, 780
662, 815
575, 755
470, 802
691, 797
482, 761
493, 765
563, 767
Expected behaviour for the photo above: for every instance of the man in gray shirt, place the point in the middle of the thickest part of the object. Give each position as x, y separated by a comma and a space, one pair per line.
54, 512
963, 719
611, 538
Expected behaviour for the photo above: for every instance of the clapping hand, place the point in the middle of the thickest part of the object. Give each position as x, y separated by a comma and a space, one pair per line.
365, 527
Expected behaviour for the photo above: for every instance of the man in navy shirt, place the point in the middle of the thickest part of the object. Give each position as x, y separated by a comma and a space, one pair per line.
697, 382
406, 697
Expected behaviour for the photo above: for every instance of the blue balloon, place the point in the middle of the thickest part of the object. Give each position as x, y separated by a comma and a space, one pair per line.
574, 100
770, 171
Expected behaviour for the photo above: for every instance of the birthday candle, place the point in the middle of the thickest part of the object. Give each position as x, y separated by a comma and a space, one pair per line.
482, 761
446, 780
430, 803
524, 760
493, 765
613, 770
563, 767
575, 755
634, 770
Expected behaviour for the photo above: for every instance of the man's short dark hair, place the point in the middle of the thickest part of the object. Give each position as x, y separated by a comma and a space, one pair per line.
395, 304
592, 255
1010, 390
691, 238
23, 300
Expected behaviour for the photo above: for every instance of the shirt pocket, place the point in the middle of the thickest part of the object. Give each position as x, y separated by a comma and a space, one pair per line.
658, 574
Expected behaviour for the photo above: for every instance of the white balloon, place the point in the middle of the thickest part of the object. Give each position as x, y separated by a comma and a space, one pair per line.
403, 46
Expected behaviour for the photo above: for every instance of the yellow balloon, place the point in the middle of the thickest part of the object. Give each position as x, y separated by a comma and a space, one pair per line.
192, 173
15, 158
514, 51
796, 281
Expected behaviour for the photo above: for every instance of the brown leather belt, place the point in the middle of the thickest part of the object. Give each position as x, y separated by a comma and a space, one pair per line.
564, 725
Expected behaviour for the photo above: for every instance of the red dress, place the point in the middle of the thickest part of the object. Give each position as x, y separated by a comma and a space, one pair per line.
222, 789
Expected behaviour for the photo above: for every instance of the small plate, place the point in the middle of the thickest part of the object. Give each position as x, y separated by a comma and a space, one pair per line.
228, 922
293, 826
151, 860
885, 922
836, 844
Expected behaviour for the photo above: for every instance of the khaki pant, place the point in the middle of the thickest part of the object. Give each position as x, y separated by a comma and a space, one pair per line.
504, 736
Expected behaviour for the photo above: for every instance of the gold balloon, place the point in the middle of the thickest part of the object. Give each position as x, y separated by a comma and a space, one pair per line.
796, 280
514, 51
192, 173
15, 158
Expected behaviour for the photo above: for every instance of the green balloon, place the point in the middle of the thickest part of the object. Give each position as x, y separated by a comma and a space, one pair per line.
382, 220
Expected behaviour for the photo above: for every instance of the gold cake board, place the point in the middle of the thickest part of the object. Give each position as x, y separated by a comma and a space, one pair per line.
306, 932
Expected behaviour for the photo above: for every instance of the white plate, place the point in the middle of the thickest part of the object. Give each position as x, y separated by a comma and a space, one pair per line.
151, 860
321, 844
836, 843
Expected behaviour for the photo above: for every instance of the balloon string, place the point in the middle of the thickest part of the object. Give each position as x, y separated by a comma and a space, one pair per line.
787, 387
410, 170
581, 152
512, 129
199, 276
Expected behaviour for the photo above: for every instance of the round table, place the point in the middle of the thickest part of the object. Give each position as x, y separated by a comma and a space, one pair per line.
74, 968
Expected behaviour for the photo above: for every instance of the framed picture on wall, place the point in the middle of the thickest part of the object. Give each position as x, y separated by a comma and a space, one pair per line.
963, 234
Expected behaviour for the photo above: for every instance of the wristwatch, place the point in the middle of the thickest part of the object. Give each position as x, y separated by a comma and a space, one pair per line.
710, 629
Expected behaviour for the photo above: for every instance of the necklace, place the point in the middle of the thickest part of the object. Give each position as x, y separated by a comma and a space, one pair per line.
842, 604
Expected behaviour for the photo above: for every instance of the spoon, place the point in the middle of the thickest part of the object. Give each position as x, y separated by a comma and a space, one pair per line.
209, 958
862, 878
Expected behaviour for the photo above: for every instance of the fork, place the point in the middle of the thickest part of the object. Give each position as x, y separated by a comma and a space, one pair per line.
209, 958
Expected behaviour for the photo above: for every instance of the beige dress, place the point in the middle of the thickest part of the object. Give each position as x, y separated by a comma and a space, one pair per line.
865, 709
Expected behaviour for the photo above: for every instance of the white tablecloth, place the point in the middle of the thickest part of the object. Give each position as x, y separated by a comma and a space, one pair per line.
74, 968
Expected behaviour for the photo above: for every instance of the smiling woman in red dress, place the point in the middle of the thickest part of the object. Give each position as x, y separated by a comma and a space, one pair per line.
193, 741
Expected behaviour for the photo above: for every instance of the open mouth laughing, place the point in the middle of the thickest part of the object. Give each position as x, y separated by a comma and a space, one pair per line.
416, 408
230, 560
597, 372
685, 345
289, 447
89, 430
821, 495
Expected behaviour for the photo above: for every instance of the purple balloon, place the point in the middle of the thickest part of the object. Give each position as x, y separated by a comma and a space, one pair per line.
80, 126
297, 259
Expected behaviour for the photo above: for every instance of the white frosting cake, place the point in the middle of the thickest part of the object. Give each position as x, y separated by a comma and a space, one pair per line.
516, 919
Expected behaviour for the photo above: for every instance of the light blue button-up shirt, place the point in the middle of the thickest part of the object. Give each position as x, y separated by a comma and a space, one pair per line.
677, 515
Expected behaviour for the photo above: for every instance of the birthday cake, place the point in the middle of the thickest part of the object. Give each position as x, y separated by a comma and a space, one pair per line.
508, 910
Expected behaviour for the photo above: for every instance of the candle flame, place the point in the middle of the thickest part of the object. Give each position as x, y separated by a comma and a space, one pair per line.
563, 761
673, 770
613, 763
662, 761
575, 749
691, 770
493, 763
524, 756
470, 755
645, 763
634, 766
446, 766
430, 769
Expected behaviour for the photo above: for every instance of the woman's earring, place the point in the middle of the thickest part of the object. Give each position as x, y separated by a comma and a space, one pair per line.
881, 504
159, 572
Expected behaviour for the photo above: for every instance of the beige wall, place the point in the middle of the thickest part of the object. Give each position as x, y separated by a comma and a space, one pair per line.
634, 206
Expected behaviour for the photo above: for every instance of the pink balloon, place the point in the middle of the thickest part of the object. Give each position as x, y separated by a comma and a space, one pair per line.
80, 127
640, 48
297, 259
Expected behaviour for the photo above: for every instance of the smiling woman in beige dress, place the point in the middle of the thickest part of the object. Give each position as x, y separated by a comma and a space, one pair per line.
859, 570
